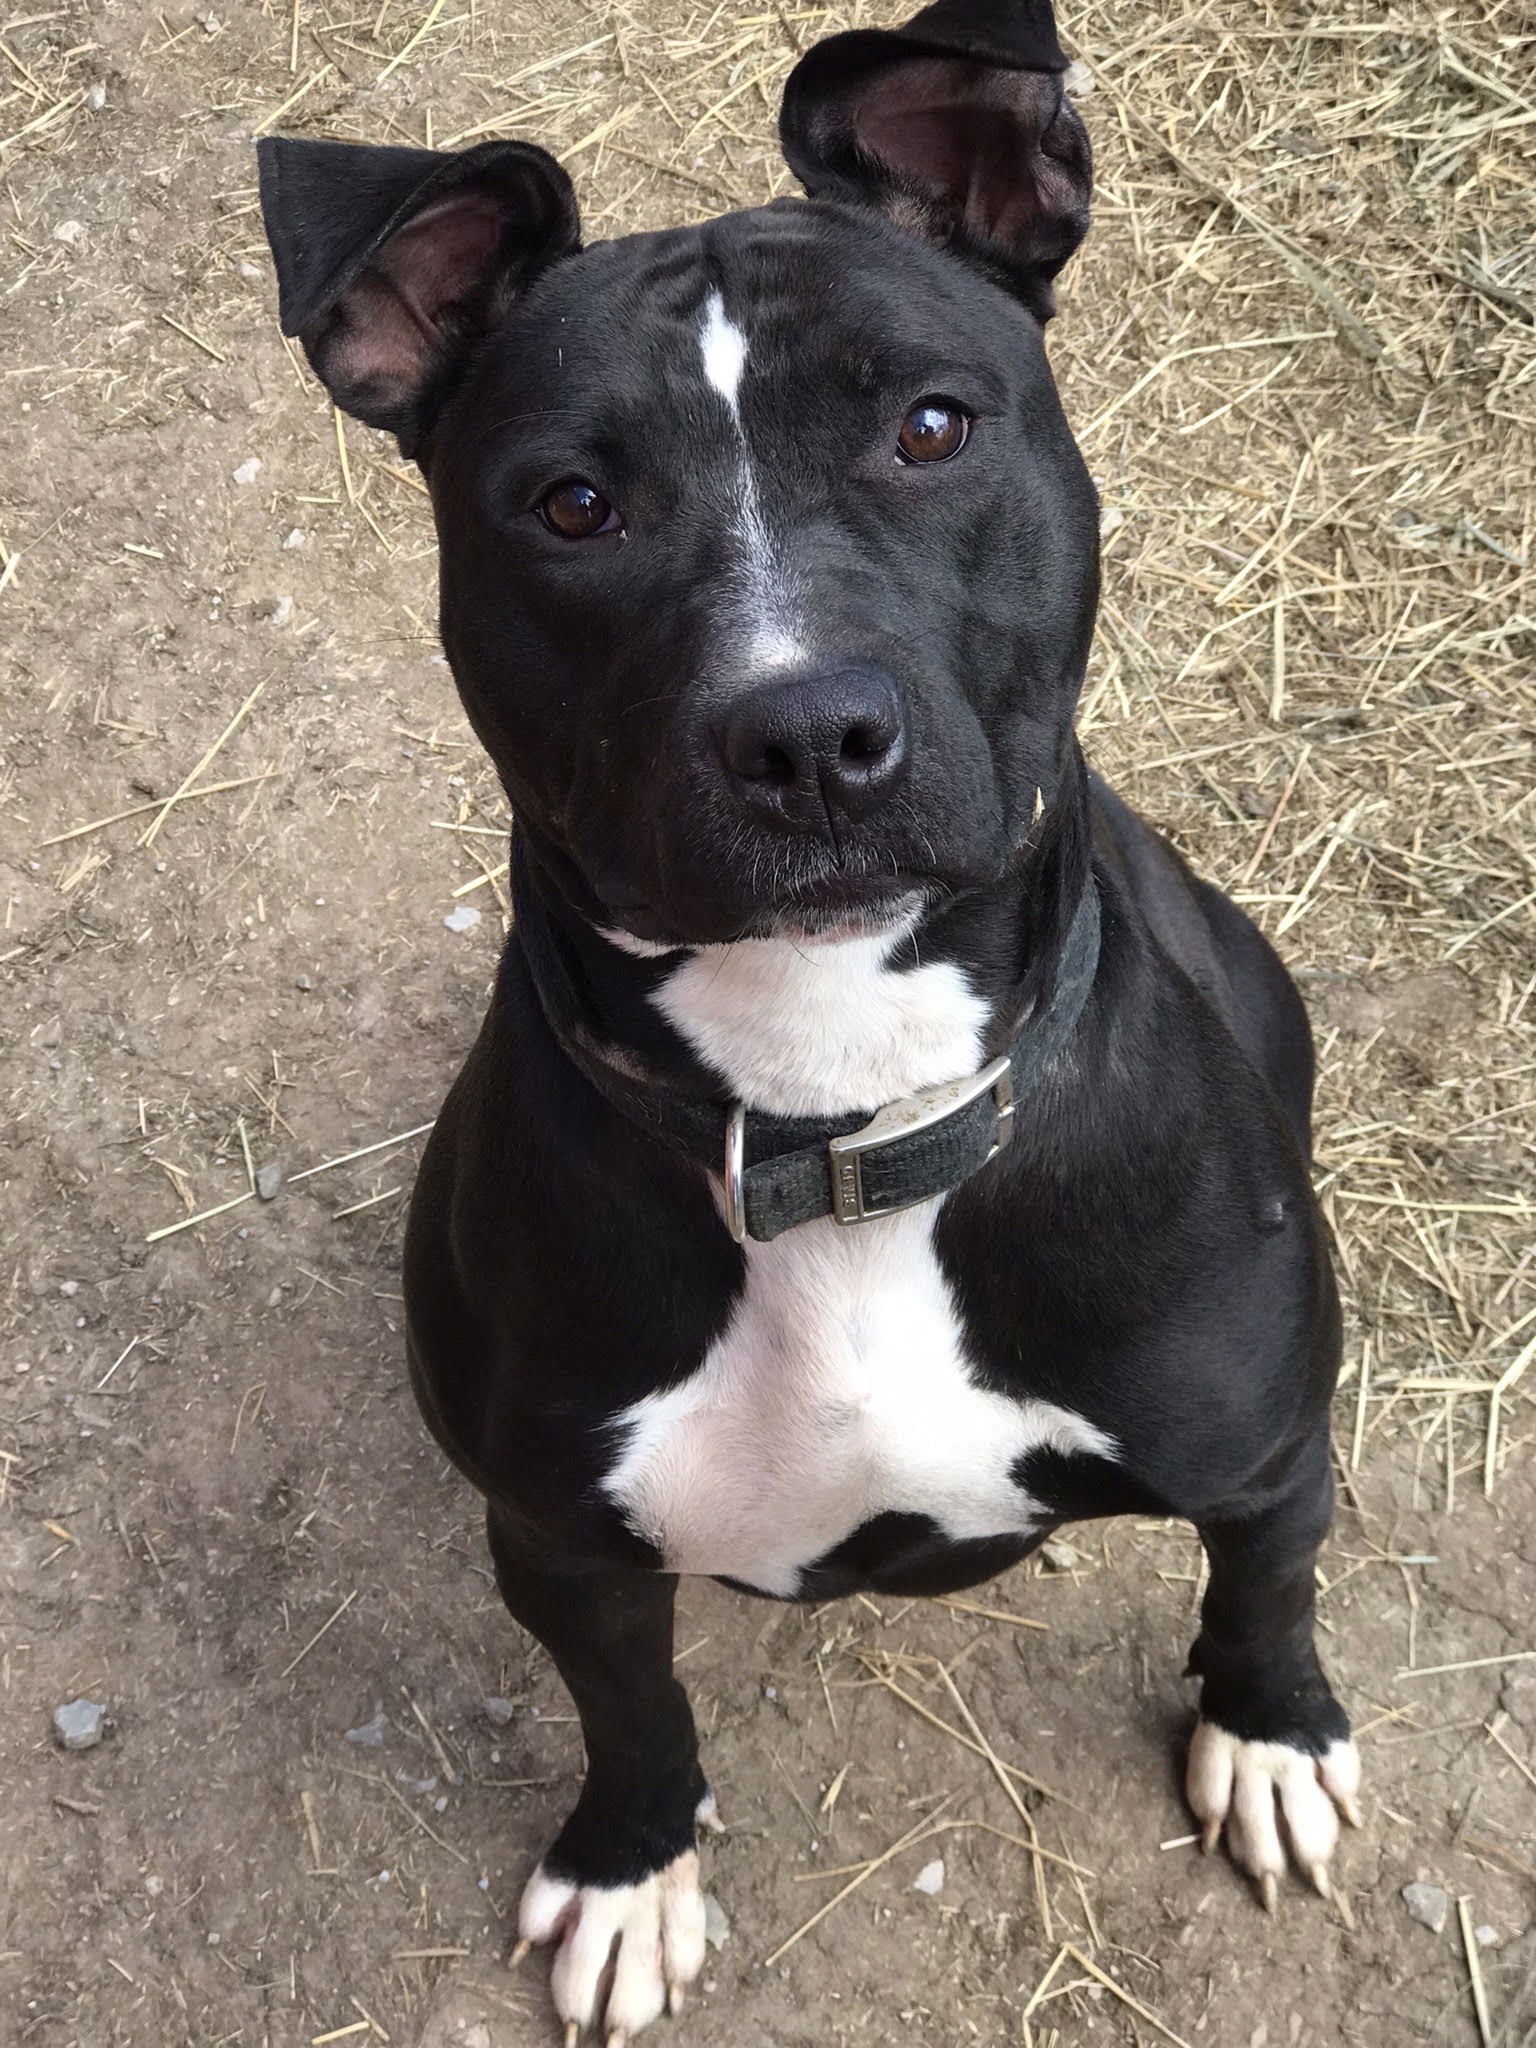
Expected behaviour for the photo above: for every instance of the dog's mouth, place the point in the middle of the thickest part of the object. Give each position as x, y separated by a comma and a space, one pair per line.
840, 908
822, 910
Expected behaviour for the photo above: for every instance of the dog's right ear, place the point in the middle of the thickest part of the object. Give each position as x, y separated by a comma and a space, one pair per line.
392, 263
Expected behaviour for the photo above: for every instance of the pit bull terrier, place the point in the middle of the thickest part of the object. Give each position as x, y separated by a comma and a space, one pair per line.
880, 1148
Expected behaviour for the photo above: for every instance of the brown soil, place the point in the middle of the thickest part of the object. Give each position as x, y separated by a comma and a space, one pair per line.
219, 1515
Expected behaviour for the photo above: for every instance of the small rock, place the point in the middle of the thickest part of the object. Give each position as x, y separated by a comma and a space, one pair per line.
277, 611
1079, 80
930, 1878
717, 1928
497, 1711
296, 537
96, 97
1486, 1936
1430, 1905
248, 471
80, 1724
269, 1178
69, 232
370, 1735
464, 919
1061, 1557
69, 1287
304, 982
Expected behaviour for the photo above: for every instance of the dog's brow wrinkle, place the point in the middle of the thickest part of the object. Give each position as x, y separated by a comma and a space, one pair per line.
724, 349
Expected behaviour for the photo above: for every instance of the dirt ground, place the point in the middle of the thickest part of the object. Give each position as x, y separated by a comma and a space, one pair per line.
1299, 351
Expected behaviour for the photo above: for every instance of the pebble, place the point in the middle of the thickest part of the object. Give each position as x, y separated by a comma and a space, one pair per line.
370, 1734
80, 1724
69, 232
1061, 1557
498, 1712
930, 1878
717, 1926
269, 1179
464, 919
1430, 1905
248, 471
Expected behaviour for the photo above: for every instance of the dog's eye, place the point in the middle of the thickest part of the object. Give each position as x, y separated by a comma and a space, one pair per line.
576, 511
932, 432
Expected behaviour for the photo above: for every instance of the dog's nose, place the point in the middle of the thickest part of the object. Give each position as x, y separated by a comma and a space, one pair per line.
828, 745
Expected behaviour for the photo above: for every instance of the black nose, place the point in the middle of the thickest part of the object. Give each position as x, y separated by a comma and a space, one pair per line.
815, 748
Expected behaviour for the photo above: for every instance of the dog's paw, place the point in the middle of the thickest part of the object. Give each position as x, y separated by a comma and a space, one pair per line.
1245, 1788
626, 1952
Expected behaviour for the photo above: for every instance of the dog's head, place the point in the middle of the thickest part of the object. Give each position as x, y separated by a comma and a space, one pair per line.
768, 561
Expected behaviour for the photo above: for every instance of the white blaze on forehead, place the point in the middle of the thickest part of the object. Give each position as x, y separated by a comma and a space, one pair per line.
762, 608
724, 348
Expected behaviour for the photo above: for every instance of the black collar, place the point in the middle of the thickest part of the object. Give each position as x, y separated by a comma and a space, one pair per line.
779, 1170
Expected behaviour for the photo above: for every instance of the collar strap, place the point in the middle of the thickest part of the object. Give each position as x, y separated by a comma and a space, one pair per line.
779, 1171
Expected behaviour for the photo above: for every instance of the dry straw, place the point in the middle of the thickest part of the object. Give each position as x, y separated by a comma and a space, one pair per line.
1300, 353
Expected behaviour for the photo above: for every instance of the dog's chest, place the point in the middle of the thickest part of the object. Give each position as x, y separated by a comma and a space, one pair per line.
840, 1389
839, 1392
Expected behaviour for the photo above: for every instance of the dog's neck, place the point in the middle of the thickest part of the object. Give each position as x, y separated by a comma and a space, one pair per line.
799, 1029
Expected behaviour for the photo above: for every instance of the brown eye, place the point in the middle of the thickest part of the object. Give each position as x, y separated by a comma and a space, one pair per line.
932, 432
576, 511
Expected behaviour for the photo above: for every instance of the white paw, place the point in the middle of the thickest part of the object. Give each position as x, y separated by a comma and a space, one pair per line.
1245, 1787
626, 1952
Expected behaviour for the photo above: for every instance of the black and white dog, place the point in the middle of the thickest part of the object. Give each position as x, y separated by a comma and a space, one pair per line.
880, 1148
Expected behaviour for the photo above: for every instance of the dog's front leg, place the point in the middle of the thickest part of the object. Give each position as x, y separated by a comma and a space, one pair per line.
619, 1887
1272, 1746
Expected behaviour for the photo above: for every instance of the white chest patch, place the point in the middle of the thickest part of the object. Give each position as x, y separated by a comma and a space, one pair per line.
840, 1389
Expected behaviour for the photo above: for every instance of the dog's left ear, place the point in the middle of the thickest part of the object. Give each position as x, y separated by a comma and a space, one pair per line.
957, 128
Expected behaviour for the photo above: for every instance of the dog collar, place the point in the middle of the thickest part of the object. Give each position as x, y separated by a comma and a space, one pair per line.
916, 1147
779, 1171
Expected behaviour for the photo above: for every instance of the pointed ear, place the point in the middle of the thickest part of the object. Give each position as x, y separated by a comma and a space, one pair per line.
957, 128
391, 263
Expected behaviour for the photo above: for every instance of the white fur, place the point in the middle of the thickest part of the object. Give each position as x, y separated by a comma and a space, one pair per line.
766, 629
1244, 1787
651, 1934
817, 1030
724, 348
638, 949
841, 1389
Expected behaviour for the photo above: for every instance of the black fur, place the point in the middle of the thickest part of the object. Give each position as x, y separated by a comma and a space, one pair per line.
1147, 1252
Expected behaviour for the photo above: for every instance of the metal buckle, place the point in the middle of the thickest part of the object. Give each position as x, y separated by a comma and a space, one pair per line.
903, 1119
735, 1156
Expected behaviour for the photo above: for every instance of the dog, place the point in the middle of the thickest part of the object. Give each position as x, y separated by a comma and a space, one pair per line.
880, 1147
